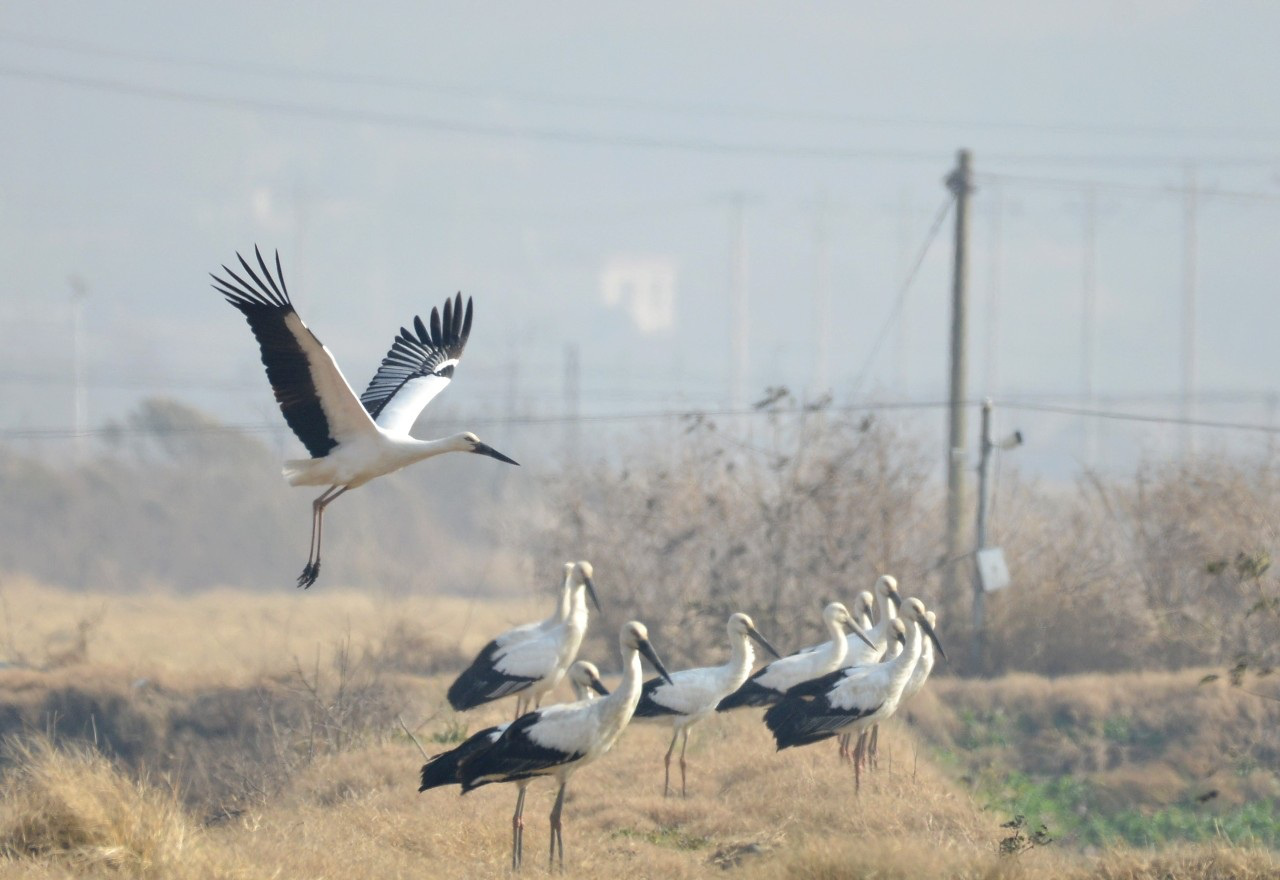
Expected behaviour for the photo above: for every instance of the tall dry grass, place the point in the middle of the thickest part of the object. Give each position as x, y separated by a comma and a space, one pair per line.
352, 809
71, 806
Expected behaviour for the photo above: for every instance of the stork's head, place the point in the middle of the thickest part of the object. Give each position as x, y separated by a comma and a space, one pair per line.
741, 626
468, 442
584, 676
635, 637
863, 603
887, 588
933, 621
583, 571
913, 609
897, 631
837, 615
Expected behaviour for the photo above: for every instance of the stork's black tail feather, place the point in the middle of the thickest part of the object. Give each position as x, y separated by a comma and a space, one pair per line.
750, 694
442, 769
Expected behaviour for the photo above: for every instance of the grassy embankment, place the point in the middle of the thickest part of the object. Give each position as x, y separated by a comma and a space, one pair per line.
258, 736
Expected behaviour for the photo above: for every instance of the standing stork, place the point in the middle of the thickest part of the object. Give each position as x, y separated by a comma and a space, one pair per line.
351, 439
530, 666
854, 698
769, 684
693, 694
558, 740
442, 769
870, 748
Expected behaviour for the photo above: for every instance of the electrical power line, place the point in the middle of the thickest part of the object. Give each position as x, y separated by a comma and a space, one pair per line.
603, 418
1026, 180
902, 292
462, 127
653, 416
1140, 417
698, 109
587, 138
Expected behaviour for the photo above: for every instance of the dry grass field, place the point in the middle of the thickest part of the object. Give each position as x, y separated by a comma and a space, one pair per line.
134, 714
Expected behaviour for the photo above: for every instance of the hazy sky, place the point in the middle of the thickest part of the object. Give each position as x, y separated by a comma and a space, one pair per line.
530, 155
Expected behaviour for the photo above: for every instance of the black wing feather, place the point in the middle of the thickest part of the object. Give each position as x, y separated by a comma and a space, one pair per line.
752, 693
513, 757
648, 707
442, 769
801, 719
481, 683
266, 307
419, 353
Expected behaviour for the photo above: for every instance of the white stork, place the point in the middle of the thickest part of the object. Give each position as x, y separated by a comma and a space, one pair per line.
693, 694
869, 745
351, 439
557, 740
769, 684
442, 769
533, 665
920, 674
854, 698
884, 603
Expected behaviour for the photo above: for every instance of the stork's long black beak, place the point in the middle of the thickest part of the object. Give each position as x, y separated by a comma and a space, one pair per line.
486, 449
591, 591
652, 656
857, 631
896, 598
933, 636
764, 643
598, 686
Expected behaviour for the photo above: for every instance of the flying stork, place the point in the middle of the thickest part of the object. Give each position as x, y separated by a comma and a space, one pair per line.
559, 739
769, 684
854, 698
693, 694
351, 439
533, 665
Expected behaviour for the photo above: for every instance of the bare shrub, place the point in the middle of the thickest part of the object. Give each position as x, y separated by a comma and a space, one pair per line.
811, 510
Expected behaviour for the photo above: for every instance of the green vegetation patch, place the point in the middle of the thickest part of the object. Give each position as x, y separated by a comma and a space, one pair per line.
669, 836
1072, 810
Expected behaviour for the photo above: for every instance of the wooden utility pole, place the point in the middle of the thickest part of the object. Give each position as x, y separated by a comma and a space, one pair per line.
979, 593
960, 182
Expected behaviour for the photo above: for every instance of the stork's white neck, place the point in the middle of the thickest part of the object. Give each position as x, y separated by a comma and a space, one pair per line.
900, 667
838, 647
615, 710
741, 658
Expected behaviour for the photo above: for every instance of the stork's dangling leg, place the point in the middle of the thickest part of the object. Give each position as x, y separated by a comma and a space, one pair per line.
557, 830
684, 744
666, 762
873, 747
312, 569
517, 831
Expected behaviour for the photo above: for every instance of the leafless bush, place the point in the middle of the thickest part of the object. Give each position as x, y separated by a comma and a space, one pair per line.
811, 509
1167, 569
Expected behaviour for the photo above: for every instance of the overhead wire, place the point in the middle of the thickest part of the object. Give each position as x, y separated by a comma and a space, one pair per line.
662, 415
615, 102
903, 289
538, 133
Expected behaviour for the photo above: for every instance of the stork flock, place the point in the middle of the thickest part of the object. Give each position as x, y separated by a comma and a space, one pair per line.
876, 656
